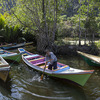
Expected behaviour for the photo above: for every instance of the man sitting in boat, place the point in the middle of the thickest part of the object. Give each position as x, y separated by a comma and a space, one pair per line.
51, 60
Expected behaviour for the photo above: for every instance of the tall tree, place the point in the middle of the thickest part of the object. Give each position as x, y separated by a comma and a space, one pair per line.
39, 17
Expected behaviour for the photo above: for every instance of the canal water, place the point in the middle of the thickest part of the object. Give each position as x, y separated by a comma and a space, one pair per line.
24, 83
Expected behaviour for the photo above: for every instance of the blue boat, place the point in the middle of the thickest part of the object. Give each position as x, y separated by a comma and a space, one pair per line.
13, 46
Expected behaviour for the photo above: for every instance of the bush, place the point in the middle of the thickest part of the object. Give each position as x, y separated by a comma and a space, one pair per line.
30, 37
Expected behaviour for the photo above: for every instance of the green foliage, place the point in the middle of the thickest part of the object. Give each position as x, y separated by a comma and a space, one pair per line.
59, 42
27, 15
29, 37
9, 33
91, 25
63, 17
2, 21
97, 44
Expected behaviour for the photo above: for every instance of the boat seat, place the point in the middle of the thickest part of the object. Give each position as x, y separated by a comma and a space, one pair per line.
61, 69
44, 66
47, 67
32, 58
1, 52
8, 53
37, 60
21, 49
4, 65
25, 54
60, 64
39, 63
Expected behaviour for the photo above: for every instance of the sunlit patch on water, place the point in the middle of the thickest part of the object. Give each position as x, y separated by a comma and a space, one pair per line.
35, 78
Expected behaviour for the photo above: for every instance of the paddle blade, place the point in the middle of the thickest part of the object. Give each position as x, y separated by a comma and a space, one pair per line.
42, 77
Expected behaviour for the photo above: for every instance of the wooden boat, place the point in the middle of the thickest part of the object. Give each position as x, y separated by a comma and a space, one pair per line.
10, 55
3, 45
91, 60
63, 71
28, 43
8, 47
4, 69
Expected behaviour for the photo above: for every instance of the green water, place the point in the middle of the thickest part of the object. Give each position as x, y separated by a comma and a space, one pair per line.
24, 83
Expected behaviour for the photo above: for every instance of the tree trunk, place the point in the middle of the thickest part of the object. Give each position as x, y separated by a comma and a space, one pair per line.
41, 42
44, 43
86, 22
85, 39
55, 19
79, 27
79, 32
45, 40
93, 36
43, 9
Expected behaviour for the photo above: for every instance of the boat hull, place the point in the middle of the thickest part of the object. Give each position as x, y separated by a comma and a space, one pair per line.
13, 47
29, 43
16, 58
91, 60
4, 75
80, 79
4, 69
10, 55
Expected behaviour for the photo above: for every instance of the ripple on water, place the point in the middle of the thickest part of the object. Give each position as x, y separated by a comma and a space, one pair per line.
47, 97
24, 88
26, 84
2, 97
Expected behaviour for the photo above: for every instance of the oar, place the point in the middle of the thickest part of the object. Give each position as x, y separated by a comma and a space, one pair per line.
43, 72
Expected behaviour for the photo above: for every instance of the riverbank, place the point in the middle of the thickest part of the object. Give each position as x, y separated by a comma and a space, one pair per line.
72, 49
68, 46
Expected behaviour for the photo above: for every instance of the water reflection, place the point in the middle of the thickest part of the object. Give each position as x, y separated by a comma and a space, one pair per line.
5, 89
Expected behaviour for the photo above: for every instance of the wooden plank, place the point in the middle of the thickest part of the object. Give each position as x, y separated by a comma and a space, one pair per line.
39, 63
32, 58
36, 59
2, 65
